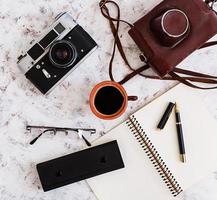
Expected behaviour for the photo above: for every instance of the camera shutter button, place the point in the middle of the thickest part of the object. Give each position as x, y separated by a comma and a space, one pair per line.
38, 67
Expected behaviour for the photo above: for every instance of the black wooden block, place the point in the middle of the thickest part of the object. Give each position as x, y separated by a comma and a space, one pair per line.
80, 165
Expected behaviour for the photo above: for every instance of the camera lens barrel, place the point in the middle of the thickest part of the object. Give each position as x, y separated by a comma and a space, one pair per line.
62, 54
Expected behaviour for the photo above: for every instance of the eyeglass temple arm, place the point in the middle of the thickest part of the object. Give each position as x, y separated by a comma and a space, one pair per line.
35, 139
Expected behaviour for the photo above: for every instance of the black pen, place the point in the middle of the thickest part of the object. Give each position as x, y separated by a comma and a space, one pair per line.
166, 116
180, 135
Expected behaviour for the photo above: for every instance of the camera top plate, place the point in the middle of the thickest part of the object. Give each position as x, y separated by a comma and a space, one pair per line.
63, 23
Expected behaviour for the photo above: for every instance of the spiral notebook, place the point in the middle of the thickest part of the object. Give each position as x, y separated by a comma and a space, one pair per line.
152, 166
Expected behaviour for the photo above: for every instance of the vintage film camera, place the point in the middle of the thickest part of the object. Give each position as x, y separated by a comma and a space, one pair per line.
56, 54
173, 30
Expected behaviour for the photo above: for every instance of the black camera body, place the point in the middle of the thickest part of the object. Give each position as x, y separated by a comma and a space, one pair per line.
56, 54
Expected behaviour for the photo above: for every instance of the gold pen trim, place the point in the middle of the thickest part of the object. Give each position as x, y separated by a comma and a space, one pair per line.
183, 158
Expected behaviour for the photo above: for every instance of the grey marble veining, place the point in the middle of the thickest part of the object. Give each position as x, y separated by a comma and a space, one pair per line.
24, 20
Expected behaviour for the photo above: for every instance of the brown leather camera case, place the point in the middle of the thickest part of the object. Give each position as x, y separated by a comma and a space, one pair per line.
163, 59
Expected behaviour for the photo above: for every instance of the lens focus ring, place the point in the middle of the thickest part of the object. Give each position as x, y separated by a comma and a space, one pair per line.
62, 54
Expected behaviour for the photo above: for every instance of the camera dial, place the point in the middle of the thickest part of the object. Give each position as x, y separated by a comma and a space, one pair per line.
174, 23
171, 27
62, 54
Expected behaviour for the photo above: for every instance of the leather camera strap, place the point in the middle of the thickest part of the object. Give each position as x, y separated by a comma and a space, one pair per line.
190, 77
117, 42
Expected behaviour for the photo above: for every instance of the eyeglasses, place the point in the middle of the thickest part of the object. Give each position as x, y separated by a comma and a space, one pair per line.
54, 130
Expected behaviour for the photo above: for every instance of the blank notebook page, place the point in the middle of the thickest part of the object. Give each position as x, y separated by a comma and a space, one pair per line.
139, 179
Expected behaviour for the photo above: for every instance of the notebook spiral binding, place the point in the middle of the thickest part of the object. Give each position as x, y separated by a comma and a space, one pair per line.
154, 156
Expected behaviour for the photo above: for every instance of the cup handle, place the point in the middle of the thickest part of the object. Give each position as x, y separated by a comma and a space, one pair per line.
132, 98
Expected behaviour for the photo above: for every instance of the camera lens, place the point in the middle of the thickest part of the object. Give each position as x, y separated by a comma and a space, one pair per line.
62, 54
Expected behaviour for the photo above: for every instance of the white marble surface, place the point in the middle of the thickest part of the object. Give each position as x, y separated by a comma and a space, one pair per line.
67, 105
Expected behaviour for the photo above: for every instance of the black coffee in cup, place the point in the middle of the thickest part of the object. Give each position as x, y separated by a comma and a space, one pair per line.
108, 100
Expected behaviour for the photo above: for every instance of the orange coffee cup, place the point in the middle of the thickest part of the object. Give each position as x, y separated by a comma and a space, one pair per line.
109, 100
